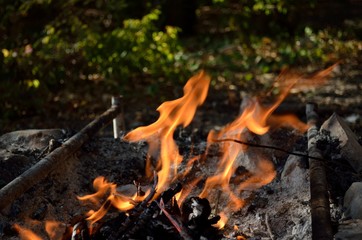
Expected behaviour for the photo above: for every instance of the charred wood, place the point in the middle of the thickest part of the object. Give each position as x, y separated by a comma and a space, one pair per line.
161, 218
80, 231
139, 217
320, 210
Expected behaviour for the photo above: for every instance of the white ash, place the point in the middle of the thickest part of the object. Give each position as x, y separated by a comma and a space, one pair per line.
196, 209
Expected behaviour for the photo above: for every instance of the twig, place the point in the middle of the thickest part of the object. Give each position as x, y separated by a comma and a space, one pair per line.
136, 211
147, 214
320, 211
268, 147
43, 152
52, 161
271, 235
52, 145
183, 233
144, 203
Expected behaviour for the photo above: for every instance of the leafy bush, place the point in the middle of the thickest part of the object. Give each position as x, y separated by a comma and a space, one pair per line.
84, 43
88, 47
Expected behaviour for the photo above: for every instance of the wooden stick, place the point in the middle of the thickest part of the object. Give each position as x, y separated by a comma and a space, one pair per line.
118, 121
320, 211
41, 169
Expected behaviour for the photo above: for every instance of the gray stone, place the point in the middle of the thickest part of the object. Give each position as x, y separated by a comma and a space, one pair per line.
30, 139
349, 230
350, 148
18, 150
12, 165
294, 172
352, 201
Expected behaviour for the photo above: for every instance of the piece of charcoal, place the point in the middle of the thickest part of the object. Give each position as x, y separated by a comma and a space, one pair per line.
196, 216
80, 231
196, 211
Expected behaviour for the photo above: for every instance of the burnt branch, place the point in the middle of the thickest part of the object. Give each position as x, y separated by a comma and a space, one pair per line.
320, 211
179, 226
49, 163
137, 220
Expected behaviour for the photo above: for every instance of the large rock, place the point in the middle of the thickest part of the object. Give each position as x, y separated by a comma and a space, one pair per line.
30, 139
351, 150
352, 227
294, 173
19, 150
352, 201
349, 230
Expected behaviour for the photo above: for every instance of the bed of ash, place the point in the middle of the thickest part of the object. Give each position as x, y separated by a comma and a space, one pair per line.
279, 210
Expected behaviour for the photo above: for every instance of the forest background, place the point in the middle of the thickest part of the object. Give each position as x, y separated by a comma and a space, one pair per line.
61, 61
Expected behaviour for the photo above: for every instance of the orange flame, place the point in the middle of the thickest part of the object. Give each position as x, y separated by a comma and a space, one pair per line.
254, 118
172, 114
186, 190
115, 199
221, 223
54, 229
26, 234
257, 119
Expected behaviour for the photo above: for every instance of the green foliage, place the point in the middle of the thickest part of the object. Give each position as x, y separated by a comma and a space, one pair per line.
265, 17
240, 61
85, 43
264, 36
87, 47
138, 47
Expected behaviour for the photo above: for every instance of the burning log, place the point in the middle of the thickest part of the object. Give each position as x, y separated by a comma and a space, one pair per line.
138, 218
146, 215
159, 218
40, 170
137, 211
320, 211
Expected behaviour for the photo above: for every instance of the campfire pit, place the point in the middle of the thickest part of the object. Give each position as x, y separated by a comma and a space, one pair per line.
251, 175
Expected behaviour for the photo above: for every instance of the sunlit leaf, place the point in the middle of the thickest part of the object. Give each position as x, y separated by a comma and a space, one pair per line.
248, 76
45, 40
36, 83
5, 52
